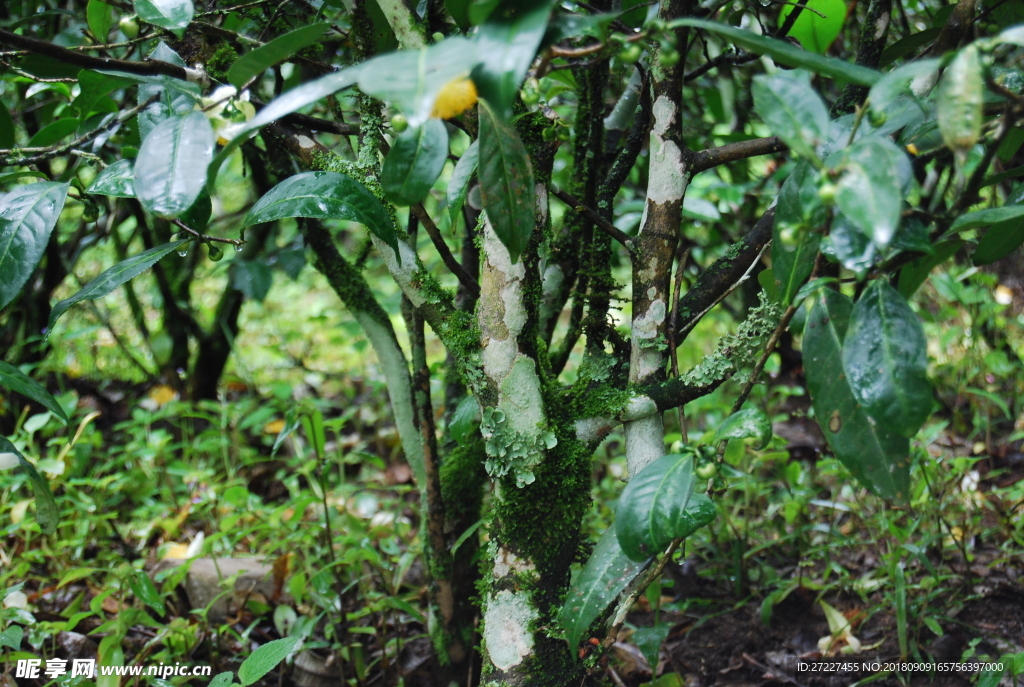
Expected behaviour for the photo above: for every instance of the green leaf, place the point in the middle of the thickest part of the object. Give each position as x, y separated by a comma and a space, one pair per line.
112, 278
796, 236
659, 505
47, 514
324, 195
915, 273
54, 132
506, 182
12, 636
27, 216
792, 110
885, 357
746, 424
117, 180
281, 106
984, 218
6, 128
877, 458
959, 100
221, 680
506, 45
254, 63
93, 86
414, 163
818, 29
252, 277
607, 573
465, 425
869, 191
412, 79
459, 11
100, 17
198, 215
146, 592
11, 176
908, 44
171, 166
786, 53
999, 241
167, 14
897, 82
649, 641
458, 185
17, 381
265, 659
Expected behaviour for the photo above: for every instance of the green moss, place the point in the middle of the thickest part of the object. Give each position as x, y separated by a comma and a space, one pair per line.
219, 62
738, 351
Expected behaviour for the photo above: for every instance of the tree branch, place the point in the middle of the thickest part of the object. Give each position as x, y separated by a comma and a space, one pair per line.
603, 224
442, 248
731, 152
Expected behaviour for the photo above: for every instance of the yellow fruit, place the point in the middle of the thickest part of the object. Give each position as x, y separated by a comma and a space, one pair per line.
456, 97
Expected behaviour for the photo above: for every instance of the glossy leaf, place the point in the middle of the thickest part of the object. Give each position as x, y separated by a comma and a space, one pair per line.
47, 514
465, 424
659, 505
915, 273
171, 166
167, 14
324, 195
198, 214
786, 53
984, 218
799, 217
850, 246
886, 359
414, 163
17, 381
110, 279
27, 216
94, 86
750, 423
412, 79
605, 576
506, 182
869, 190
816, 30
999, 241
117, 180
266, 658
792, 110
255, 62
100, 17
877, 458
281, 106
959, 101
897, 82
506, 45
458, 185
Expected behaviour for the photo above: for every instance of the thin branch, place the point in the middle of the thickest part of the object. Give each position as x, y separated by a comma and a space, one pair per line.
741, 150
203, 237
741, 57
32, 77
791, 18
603, 224
442, 248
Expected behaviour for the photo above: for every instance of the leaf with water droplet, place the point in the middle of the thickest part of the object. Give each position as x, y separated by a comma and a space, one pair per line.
959, 102
171, 167
27, 217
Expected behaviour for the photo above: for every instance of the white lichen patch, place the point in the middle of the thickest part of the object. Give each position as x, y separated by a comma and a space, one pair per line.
645, 442
402, 273
667, 180
506, 563
592, 429
664, 111
506, 628
639, 407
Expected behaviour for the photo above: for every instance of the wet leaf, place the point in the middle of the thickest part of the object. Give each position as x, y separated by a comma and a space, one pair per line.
17, 381
167, 14
607, 573
47, 514
458, 185
659, 505
27, 216
792, 110
885, 357
746, 424
255, 62
117, 180
796, 234
112, 278
869, 192
414, 163
171, 166
324, 195
959, 101
506, 182
914, 274
877, 458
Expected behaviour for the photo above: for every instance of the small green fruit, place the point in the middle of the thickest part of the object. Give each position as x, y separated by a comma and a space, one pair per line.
631, 53
668, 57
214, 253
827, 192
707, 470
129, 27
529, 96
548, 134
876, 118
788, 237
399, 123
